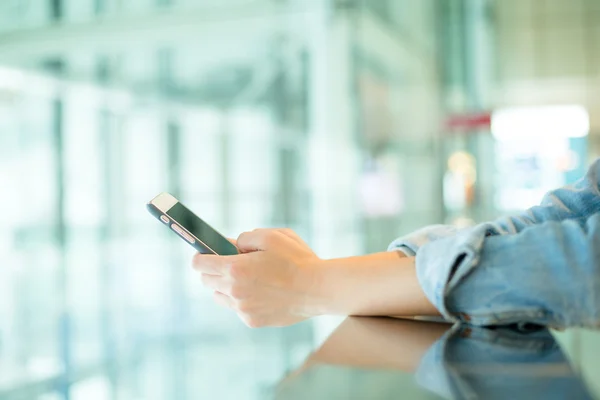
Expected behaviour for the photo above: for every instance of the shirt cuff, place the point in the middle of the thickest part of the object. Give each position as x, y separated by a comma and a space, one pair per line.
407, 251
442, 264
410, 244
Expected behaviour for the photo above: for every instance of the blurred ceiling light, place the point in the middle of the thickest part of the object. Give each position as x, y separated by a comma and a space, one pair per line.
463, 163
567, 121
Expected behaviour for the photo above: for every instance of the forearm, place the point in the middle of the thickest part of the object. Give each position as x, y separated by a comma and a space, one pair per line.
374, 285
376, 343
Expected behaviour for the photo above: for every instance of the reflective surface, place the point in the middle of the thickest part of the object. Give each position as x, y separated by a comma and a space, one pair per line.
238, 364
370, 358
364, 358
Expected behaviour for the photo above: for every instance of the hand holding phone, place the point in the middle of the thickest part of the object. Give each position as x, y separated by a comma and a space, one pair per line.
200, 235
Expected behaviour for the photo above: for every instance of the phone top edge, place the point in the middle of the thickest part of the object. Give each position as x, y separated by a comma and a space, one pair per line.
164, 201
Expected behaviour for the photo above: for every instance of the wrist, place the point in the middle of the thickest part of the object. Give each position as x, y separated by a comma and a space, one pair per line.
350, 286
318, 292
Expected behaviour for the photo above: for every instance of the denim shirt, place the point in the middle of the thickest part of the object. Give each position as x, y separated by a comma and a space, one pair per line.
542, 266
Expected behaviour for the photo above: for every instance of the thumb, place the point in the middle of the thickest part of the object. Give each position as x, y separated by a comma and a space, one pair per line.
260, 240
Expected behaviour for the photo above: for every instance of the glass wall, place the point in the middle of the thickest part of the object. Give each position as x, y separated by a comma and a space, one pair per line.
254, 114
333, 118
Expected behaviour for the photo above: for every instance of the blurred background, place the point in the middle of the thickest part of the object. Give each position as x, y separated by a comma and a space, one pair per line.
352, 122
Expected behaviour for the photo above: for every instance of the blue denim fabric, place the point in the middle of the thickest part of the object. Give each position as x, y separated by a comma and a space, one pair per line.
542, 266
410, 244
499, 364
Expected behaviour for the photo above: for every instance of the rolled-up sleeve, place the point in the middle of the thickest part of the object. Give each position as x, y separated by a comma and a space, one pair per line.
410, 244
548, 274
541, 266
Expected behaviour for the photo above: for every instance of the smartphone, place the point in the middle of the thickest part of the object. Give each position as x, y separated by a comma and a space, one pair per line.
200, 235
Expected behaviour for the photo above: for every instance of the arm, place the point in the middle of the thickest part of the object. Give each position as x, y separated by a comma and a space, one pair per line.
381, 343
380, 284
362, 358
280, 281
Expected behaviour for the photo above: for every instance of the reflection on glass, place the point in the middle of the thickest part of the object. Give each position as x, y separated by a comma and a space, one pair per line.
392, 358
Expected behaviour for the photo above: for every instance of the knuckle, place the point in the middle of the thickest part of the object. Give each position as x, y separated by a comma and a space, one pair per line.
244, 307
237, 270
219, 299
252, 321
243, 238
260, 236
269, 237
237, 292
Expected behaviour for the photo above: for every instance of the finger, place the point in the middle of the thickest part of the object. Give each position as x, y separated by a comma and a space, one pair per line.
291, 234
217, 283
234, 242
211, 264
223, 300
259, 239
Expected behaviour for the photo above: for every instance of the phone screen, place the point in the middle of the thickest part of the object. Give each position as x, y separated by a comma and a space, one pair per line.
201, 230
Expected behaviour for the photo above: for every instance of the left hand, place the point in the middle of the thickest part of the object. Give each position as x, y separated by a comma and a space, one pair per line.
272, 283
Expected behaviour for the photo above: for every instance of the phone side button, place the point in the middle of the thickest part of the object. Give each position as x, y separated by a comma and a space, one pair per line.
188, 237
164, 219
183, 234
